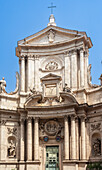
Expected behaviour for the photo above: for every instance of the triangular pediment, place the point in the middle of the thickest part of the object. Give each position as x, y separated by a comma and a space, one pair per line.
50, 76
51, 35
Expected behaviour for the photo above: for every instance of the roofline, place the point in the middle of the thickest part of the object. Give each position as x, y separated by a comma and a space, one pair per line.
54, 27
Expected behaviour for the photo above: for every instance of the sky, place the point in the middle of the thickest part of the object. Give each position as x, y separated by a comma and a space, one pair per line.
21, 18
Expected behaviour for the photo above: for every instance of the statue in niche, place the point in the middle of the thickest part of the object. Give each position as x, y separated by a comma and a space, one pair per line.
97, 147
12, 148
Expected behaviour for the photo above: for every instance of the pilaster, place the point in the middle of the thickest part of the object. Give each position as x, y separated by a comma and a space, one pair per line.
74, 69
22, 142
36, 139
22, 78
66, 137
81, 68
29, 139
83, 138
73, 138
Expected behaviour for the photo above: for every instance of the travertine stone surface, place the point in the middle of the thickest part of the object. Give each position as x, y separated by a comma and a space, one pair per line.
54, 104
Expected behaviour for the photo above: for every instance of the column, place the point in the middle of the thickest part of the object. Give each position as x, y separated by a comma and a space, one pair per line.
22, 140
81, 68
66, 137
36, 139
73, 139
29, 139
22, 80
74, 69
77, 137
83, 143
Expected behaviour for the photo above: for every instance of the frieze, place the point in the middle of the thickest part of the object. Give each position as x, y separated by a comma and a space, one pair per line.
96, 126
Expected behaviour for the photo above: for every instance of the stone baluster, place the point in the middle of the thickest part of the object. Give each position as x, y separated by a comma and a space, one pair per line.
36, 139
22, 142
66, 137
29, 139
83, 138
73, 138
22, 80
81, 68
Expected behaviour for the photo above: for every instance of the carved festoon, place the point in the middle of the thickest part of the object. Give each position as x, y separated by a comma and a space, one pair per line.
95, 126
12, 131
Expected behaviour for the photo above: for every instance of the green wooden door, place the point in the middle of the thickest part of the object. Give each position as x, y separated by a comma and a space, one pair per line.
52, 158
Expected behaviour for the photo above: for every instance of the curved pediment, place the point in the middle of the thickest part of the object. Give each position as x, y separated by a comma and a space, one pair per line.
37, 100
53, 35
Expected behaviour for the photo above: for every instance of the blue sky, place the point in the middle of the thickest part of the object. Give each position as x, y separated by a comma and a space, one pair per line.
21, 18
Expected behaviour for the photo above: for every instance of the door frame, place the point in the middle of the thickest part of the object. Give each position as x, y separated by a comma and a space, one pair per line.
59, 145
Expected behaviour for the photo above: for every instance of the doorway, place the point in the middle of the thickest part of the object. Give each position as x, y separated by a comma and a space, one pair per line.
52, 158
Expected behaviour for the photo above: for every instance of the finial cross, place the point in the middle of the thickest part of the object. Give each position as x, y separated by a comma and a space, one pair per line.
52, 8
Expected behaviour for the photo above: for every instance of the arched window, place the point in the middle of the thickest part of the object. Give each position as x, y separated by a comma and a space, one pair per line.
96, 144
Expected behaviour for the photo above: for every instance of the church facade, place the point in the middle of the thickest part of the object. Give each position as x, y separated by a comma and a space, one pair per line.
53, 119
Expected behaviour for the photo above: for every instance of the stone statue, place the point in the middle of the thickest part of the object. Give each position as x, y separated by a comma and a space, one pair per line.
12, 149
2, 85
89, 74
97, 147
66, 88
100, 79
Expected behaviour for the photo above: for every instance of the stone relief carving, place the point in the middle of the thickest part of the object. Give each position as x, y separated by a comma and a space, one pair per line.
42, 128
12, 131
51, 36
95, 126
96, 147
52, 65
3, 122
53, 128
12, 147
